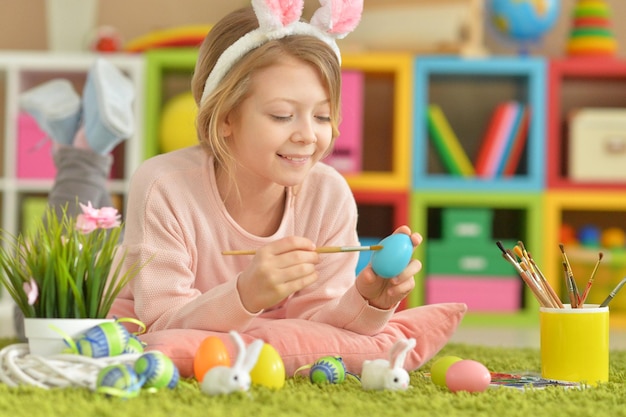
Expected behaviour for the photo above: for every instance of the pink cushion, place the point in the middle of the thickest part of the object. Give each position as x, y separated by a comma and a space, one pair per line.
301, 342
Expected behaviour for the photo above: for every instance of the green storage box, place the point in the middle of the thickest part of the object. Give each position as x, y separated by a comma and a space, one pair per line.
474, 258
467, 223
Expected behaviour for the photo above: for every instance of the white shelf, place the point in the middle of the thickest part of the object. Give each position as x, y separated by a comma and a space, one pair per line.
20, 71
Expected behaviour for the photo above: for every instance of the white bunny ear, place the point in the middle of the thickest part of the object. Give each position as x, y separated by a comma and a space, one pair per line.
241, 348
399, 351
252, 355
338, 17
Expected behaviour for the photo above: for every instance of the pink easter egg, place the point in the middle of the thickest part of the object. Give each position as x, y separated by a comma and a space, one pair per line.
468, 375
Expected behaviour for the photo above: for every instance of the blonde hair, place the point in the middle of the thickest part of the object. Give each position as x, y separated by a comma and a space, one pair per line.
235, 85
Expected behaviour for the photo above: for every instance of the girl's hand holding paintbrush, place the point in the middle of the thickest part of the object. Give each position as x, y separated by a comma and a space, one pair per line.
288, 265
276, 271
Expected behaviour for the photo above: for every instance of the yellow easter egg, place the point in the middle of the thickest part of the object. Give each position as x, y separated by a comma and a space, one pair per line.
212, 352
269, 370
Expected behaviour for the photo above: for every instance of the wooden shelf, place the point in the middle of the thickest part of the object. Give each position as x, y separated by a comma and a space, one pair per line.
20, 71
576, 83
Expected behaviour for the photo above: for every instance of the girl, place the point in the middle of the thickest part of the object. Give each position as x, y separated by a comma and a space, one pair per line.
268, 91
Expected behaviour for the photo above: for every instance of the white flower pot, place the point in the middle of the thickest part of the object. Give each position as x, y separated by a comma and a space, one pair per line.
47, 336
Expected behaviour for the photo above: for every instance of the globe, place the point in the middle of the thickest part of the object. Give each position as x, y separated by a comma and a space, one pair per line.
523, 21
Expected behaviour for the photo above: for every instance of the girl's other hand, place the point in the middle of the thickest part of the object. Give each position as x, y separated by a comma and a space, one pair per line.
277, 271
385, 293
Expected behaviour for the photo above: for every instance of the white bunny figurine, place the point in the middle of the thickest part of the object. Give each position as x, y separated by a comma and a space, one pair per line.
381, 374
225, 380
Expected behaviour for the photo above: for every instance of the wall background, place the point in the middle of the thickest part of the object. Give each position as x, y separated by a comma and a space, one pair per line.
23, 22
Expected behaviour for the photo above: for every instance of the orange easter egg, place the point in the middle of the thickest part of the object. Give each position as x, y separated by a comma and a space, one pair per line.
211, 353
269, 370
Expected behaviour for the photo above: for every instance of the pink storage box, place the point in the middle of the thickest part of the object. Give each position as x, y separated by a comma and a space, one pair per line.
481, 294
347, 151
34, 153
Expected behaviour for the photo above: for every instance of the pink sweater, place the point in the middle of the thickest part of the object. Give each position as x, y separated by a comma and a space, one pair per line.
176, 220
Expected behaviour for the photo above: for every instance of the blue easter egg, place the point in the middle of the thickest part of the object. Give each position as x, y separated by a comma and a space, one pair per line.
106, 339
157, 369
329, 369
395, 255
134, 345
119, 380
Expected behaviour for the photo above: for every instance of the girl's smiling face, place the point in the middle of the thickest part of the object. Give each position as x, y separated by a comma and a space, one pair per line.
282, 128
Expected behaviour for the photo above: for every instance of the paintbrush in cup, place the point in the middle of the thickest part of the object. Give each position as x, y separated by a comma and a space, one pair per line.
590, 282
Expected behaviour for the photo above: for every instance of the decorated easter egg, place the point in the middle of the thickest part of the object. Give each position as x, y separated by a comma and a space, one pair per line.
269, 370
119, 380
329, 369
440, 367
134, 345
395, 255
468, 375
212, 352
157, 370
106, 339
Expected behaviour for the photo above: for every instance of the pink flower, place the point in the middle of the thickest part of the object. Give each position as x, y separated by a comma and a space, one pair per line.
31, 290
92, 218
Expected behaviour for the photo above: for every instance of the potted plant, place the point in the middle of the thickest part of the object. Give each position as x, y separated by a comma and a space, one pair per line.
62, 269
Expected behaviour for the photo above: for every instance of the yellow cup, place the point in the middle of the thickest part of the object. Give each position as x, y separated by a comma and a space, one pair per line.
575, 343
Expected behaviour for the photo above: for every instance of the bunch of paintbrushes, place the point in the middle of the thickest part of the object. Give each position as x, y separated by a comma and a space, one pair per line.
536, 281
531, 275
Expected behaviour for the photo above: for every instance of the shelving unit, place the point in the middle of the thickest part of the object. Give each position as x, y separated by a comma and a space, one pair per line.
513, 203
387, 120
578, 208
516, 216
456, 84
26, 170
574, 84
22, 71
168, 73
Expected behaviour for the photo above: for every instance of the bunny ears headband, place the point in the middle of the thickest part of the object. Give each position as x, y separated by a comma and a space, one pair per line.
281, 18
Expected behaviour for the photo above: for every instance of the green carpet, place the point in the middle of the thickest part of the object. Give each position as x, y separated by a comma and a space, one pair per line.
301, 398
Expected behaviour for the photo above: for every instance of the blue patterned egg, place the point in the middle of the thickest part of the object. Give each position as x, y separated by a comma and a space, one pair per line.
118, 380
329, 369
157, 370
106, 339
134, 345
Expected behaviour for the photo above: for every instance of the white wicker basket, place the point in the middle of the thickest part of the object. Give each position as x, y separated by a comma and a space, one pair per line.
19, 367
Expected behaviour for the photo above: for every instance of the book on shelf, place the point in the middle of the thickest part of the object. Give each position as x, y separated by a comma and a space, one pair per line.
447, 144
511, 135
519, 143
503, 142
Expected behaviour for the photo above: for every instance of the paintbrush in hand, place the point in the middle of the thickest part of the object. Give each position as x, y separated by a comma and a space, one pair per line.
321, 249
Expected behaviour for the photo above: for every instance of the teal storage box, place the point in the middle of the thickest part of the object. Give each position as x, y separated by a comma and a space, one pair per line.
468, 223
469, 259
